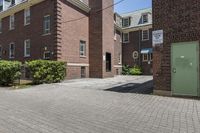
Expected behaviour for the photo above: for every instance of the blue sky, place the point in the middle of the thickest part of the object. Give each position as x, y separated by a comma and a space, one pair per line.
132, 5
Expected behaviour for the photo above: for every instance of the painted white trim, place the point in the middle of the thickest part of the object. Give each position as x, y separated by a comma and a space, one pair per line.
19, 7
77, 64
80, 4
118, 66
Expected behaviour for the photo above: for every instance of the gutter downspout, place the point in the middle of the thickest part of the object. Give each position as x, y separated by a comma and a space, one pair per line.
139, 51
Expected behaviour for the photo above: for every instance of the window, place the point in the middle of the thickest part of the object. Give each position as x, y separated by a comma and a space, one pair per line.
0, 51
82, 48
120, 58
27, 16
145, 35
47, 24
145, 57
150, 56
83, 72
12, 22
126, 22
125, 37
12, 50
0, 26
47, 55
145, 18
108, 62
27, 48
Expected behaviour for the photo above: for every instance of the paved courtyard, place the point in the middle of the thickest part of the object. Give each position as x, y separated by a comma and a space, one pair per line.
115, 105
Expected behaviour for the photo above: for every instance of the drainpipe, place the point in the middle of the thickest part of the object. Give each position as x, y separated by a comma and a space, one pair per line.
139, 51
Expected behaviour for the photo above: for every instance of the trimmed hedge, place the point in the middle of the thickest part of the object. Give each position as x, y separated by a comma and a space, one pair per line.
43, 71
9, 72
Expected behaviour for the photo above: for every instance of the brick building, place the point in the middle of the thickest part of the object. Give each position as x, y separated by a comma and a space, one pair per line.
136, 29
176, 61
74, 31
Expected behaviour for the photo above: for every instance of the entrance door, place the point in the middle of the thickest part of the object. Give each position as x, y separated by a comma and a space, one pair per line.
185, 68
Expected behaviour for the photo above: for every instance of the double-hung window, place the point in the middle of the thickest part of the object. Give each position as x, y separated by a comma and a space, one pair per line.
47, 24
82, 48
145, 18
12, 22
27, 16
125, 37
27, 48
145, 35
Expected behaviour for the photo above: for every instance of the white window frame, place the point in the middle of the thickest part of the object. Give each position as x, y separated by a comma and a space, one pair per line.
44, 57
12, 22
82, 53
143, 59
145, 39
120, 59
27, 16
46, 31
146, 14
11, 57
128, 20
151, 56
27, 45
125, 41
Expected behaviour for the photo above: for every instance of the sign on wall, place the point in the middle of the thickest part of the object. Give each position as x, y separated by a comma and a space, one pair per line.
135, 55
157, 37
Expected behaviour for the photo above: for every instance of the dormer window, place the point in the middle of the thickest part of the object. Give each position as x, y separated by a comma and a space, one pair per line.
145, 18
12, 2
126, 22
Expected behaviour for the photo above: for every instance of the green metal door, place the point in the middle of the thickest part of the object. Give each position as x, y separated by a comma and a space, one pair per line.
185, 68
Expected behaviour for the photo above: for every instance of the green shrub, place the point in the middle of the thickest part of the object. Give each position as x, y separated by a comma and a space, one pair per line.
135, 71
9, 72
125, 70
43, 71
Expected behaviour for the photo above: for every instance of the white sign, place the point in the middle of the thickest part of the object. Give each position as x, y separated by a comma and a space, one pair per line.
135, 55
157, 37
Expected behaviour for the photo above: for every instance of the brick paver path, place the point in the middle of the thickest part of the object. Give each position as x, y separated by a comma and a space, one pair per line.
83, 106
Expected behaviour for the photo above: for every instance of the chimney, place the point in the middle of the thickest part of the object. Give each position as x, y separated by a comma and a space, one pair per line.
101, 38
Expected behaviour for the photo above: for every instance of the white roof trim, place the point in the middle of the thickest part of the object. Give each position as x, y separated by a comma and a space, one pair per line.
80, 4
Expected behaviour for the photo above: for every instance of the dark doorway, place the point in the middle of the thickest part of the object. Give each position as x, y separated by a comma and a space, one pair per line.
108, 62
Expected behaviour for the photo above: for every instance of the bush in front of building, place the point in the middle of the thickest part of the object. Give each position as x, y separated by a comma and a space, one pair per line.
43, 71
135, 71
9, 72
127, 70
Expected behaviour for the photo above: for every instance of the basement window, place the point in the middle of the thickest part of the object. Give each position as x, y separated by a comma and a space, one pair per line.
47, 55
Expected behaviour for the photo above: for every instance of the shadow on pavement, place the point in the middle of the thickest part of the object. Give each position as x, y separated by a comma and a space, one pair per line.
143, 88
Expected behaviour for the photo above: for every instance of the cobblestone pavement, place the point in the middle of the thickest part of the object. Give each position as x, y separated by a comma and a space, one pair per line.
96, 106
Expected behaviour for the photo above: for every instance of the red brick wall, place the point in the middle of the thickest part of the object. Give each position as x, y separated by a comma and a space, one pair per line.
72, 32
136, 44
117, 52
34, 32
181, 23
101, 37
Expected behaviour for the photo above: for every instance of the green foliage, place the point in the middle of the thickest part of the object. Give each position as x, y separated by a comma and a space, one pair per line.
126, 70
9, 72
135, 71
43, 71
